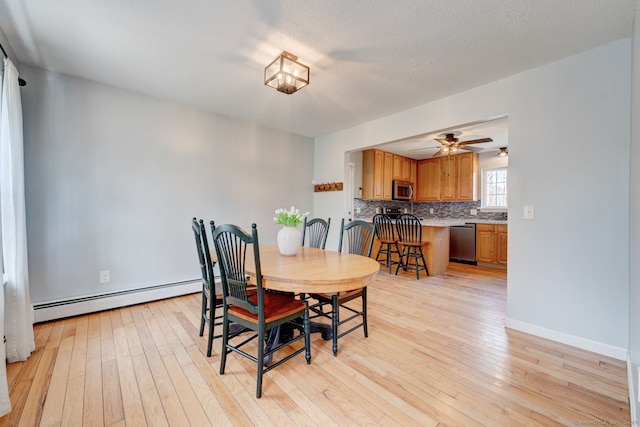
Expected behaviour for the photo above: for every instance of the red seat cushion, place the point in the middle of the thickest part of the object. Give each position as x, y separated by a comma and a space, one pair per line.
276, 306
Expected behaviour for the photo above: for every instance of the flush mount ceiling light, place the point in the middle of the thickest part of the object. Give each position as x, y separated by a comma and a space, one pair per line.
503, 152
285, 74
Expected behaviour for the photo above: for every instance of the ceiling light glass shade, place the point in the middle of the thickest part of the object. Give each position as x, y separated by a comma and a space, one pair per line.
503, 152
286, 74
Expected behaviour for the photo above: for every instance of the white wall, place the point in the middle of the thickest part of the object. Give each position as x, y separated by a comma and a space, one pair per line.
634, 231
568, 138
113, 179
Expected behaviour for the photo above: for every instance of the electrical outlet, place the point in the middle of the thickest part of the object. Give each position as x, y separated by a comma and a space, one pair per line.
358, 209
431, 210
105, 276
474, 212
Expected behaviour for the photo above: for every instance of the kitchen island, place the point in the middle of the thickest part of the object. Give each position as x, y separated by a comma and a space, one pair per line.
436, 253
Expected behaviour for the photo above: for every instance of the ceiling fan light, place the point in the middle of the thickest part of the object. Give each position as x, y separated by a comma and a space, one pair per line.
503, 152
285, 74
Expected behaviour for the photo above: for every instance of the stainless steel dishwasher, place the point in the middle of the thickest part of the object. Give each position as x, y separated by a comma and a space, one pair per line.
462, 245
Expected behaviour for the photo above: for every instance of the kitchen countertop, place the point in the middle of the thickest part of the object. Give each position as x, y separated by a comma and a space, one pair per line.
439, 222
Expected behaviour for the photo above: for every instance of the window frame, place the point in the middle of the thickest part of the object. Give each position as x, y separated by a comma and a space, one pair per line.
484, 189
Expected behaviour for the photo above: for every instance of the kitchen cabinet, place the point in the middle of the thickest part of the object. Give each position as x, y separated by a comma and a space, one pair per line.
428, 180
491, 244
413, 171
447, 178
402, 168
466, 176
397, 167
377, 175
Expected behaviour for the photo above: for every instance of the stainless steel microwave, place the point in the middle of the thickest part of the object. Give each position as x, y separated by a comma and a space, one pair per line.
402, 190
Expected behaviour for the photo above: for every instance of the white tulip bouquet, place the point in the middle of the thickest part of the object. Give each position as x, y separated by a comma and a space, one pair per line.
291, 217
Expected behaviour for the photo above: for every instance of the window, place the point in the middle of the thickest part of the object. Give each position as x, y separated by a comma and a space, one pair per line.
494, 188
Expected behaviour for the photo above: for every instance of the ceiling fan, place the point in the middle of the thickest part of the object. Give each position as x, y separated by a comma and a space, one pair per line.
450, 144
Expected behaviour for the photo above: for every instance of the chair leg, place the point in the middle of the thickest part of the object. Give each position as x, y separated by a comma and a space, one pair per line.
388, 256
397, 251
259, 364
403, 259
210, 337
364, 312
225, 341
384, 250
211, 321
379, 252
203, 312
307, 336
335, 310
426, 269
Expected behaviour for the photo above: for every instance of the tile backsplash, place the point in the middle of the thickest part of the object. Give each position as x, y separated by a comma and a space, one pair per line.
441, 210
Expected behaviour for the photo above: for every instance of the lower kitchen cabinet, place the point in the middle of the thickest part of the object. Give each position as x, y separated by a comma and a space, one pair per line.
491, 244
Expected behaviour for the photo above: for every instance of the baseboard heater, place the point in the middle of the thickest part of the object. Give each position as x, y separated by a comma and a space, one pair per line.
60, 309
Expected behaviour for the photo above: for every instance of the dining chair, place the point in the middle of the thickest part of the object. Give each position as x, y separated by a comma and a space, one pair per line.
386, 235
317, 229
211, 291
409, 230
359, 236
246, 303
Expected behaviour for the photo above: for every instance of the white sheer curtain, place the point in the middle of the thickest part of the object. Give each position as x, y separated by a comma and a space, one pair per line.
18, 312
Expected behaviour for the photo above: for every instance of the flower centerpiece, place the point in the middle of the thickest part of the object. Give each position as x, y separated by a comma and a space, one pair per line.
289, 238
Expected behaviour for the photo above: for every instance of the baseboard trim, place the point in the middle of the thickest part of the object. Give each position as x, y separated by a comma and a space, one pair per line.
633, 393
60, 309
582, 343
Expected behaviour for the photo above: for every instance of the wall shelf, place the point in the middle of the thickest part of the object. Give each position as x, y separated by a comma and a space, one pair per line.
330, 186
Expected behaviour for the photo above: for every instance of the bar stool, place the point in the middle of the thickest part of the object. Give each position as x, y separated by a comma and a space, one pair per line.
386, 234
409, 230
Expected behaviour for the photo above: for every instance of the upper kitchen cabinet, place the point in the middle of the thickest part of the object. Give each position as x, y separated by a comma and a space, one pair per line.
428, 180
379, 169
466, 176
448, 184
447, 178
404, 168
377, 175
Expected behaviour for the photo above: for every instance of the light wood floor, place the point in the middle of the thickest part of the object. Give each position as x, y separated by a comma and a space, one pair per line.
437, 354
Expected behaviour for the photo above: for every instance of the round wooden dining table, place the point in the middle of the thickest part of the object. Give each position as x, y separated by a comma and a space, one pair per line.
313, 270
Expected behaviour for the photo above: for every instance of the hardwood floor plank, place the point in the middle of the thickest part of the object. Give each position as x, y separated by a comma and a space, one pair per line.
149, 397
206, 397
54, 403
234, 411
72, 412
168, 395
93, 408
111, 392
189, 400
438, 353
131, 393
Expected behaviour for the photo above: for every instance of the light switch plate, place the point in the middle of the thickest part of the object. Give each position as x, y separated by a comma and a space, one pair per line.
528, 212
474, 211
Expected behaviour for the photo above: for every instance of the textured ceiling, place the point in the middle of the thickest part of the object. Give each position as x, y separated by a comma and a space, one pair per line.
368, 58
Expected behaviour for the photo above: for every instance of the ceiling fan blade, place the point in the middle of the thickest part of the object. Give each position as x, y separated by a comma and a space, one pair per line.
442, 141
477, 141
437, 153
474, 149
